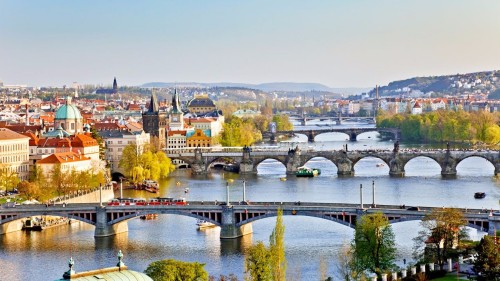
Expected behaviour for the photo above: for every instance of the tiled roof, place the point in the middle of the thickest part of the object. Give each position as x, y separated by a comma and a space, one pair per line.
7, 134
63, 157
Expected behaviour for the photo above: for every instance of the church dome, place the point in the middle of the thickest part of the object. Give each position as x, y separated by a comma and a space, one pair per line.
68, 111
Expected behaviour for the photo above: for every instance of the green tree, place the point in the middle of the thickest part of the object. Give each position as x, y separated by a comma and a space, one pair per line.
487, 263
129, 159
373, 245
258, 263
283, 122
239, 132
148, 165
443, 229
8, 177
277, 249
173, 270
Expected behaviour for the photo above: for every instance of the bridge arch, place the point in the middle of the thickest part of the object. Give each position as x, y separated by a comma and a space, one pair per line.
84, 219
370, 156
274, 159
219, 162
306, 160
463, 162
340, 136
376, 165
138, 214
432, 165
298, 213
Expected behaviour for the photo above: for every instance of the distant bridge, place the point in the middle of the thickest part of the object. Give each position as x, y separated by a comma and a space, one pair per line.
234, 219
201, 159
338, 120
352, 133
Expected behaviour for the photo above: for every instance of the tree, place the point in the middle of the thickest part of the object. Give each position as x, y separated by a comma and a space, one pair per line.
173, 270
373, 245
8, 177
148, 165
258, 263
345, 265
277, 249
443, 230
28, 189
129, 159
487, 263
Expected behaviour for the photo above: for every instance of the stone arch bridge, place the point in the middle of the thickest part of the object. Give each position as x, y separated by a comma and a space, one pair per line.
351, 132
235, 220
200, 160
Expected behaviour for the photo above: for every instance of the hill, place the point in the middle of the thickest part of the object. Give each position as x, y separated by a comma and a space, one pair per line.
485, 82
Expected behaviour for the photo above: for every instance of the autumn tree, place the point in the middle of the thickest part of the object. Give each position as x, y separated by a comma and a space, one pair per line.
277, 249
283, 122
8, 177
258, 263
373, 245
487, 263
443, 229
28, 189
239, 132
173, 270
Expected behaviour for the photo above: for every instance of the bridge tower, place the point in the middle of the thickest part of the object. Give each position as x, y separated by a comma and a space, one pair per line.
396, 165
293, 160
229, 229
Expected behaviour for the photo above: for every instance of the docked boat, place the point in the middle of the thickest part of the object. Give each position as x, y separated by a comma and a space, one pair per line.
149, 217
41, 223
234, 168
150, 186
307, 172
479, 195
283, 179
203, 224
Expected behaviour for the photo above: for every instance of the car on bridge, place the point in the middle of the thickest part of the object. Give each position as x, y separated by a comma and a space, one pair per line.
413, 209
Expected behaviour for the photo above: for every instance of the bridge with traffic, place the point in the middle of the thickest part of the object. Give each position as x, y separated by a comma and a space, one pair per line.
200, 160
234, 218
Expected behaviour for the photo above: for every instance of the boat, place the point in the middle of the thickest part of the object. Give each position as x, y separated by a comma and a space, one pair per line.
479, 195
151, 189
380, 165
41, 223
149, 217
234, 168
283, 179
203, 224
307, 172
150, 186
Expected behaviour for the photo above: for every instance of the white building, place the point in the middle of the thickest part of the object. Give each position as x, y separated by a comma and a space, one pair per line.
14, 153
69, 161
116, 140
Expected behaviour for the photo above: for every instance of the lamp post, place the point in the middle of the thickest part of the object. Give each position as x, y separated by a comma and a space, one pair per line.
373, 194
121, 187
361, 195
244, 193
100, 195
227, 193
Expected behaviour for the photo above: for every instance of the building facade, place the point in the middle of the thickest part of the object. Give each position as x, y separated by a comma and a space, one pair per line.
14, 153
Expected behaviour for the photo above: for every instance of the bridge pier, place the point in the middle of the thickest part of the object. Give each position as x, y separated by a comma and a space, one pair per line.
198, 166
246, 164
12, 226
494, 222
449, 167
310, 136
353, 136
396, 167
345, 167
229, 230
103, 228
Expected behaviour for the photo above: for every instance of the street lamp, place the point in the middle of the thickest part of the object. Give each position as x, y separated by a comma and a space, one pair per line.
121, 187
227, 193
244, 195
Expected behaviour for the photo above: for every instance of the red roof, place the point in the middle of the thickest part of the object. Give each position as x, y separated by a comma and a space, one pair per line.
63, 157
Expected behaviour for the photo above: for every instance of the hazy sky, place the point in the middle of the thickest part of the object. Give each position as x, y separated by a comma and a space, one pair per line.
338, 43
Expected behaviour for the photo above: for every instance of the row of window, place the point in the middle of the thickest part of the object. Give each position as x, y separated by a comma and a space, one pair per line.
13, 147
15, 158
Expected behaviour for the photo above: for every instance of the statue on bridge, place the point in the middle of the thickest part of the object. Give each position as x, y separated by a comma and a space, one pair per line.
396, 147
246, 149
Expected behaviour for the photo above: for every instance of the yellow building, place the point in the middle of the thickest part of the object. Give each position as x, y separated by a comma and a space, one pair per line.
198, 139
14, 154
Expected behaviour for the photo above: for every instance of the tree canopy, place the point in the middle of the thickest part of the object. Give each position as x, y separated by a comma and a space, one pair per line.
173, 270
373, 245
239, 132
487, 263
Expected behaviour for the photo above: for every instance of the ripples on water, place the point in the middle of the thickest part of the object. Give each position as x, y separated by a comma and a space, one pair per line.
28, 256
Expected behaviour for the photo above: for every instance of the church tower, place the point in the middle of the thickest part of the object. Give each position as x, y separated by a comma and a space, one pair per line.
154, 123
176, 117
115, 86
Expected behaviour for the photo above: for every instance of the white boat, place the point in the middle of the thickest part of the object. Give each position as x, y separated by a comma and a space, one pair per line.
203, 224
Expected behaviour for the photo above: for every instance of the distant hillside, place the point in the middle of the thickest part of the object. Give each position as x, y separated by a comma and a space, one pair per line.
485, 82
266, 87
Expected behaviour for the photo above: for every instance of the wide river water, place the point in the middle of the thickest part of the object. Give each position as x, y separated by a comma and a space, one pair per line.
309, 241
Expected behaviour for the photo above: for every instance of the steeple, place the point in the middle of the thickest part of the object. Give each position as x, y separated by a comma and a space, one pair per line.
115, 86
176, 108
153, 104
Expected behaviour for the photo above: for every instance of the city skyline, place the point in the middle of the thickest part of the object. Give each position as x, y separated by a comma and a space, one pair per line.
335, 43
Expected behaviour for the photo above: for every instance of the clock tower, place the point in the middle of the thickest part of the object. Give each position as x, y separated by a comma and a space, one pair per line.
176, 117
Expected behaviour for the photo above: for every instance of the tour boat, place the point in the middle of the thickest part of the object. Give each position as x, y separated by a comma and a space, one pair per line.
41, 223
307, 172
234, 168
149, 217
479, 195
203, 224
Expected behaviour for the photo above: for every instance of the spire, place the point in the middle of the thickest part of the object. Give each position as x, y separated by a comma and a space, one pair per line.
115, 86
176, 108
153, 104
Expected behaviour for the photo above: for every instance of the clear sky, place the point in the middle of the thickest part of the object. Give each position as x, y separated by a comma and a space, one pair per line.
344, 43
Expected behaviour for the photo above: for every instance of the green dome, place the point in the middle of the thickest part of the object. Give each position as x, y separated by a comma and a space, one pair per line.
68, 111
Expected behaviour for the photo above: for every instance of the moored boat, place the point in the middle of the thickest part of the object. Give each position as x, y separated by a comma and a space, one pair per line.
203, 224
479, 195
149, 217
41, 223
234, 168
307, 172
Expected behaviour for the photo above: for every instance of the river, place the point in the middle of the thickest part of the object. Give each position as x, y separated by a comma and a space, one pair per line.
309, 241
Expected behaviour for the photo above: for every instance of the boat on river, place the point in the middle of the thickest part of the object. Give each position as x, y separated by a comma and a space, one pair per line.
234, 168
307, 172
479, 195
41, 223
203, 224
149, 217
150, 186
